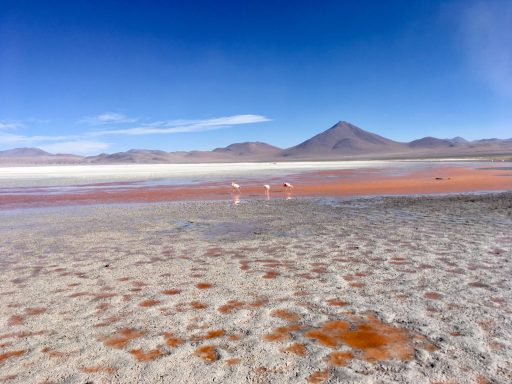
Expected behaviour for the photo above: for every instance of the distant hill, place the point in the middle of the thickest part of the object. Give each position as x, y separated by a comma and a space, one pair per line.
431, 142
24, 152
35, 156
343, 141
249, 149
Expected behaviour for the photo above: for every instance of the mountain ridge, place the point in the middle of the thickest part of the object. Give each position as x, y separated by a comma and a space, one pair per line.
342, 141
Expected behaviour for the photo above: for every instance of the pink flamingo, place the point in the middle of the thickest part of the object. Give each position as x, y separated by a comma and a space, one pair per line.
235, 186
287, 186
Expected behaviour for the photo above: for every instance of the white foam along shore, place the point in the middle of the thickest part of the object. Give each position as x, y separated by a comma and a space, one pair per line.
56, 175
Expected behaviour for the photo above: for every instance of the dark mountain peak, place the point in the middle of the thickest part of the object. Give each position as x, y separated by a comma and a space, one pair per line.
342, 138
24, 152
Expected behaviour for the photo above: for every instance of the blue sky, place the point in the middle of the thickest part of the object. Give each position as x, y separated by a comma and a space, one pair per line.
104, 76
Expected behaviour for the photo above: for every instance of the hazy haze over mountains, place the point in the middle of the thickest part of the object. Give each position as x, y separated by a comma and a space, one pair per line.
343, 141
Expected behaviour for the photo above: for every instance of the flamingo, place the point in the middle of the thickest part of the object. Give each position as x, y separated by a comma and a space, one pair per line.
287, 186
235, 187
267, 188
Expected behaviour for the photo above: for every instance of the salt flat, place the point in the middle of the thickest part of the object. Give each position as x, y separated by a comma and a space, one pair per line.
383, 290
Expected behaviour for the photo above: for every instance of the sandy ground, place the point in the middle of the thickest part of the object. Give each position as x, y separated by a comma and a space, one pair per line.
383, 290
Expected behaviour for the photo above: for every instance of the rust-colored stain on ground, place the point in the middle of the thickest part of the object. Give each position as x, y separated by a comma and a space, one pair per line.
230, 306
140, 355
210, 335
34, 311
108, 321
478, 284
208, 353
171, 292
98, 369
232, 361
21, 334
337, 303
198, 305
275, 337
330, 334
7, 355
172, 340
298, 349
318, 377
16, 320
52, 353
203, 285
285, 315
373, 339
270, 275
433, 295
281, 333
122, 337
148, 303
256, 303
339, 359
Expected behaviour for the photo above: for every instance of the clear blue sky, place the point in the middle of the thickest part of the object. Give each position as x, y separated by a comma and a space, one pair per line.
104, 76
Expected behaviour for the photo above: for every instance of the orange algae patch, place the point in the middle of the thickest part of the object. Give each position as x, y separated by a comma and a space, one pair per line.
16, 320
298, 349
171, 340
207, 353
230, 306
21, 335
197, 305
339, 359
258, 303
98, 369
270, 275
275, 337
34, 311
290, 328
7, 355
122, 338
433, 295
203, 285
330, 334
214, 333
52, 353
337, 302
285, 315
148, 303
210, 335
140, 355
318, 377
232, 361
108, 321
171, 292
373, 339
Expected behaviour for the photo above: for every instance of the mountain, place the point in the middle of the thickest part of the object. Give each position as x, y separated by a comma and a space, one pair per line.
431, 142
249, 149
343, 139
459, 140
24, 152
35, 156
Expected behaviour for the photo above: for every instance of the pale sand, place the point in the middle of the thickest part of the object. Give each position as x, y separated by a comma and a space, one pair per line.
420, 287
